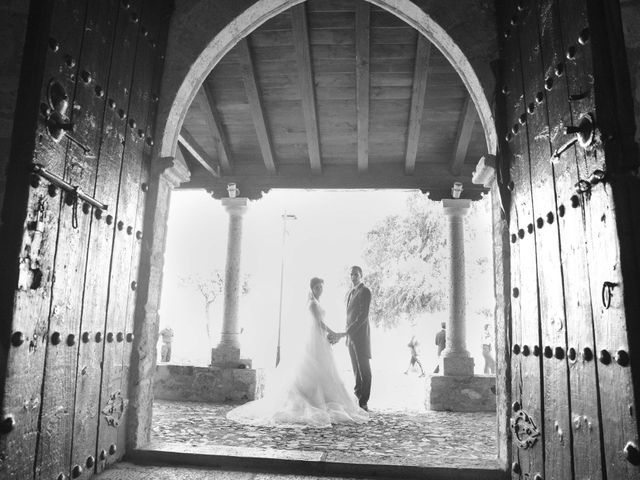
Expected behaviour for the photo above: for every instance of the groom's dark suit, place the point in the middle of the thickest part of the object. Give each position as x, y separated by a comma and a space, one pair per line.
359, 340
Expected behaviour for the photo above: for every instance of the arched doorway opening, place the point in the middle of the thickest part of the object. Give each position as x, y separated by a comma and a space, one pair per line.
172, 116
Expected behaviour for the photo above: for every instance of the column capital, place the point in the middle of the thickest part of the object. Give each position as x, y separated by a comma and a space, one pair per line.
235, 206
456, 207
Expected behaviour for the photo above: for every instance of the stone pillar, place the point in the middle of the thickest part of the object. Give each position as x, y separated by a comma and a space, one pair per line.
455, 357
458, 390
227, 353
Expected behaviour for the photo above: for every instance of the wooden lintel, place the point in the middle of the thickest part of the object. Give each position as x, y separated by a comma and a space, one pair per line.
362, 83
255, 105
198, 153
420, 74
427, 177
463, 135
307, 89
207, 104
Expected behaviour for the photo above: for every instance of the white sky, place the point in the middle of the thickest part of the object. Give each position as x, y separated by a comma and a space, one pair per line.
325, 240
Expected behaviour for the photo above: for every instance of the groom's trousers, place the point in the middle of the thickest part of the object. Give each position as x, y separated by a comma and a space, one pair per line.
362, 373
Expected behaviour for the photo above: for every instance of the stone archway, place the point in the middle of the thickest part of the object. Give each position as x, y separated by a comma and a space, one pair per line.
202, 34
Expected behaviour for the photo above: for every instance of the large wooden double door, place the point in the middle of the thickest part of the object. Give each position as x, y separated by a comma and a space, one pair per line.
569, 194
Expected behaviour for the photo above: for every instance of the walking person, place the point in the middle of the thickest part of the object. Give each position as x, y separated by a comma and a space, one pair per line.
413, 348
441, 342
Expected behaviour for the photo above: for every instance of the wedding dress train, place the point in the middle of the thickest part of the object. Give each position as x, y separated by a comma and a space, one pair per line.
307, 390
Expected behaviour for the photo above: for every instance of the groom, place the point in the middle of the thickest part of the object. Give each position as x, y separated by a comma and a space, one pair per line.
358, 336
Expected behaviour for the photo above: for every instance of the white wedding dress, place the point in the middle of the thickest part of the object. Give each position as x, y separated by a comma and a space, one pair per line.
307, 390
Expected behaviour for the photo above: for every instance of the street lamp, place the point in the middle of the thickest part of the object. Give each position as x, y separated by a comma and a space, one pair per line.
285, 217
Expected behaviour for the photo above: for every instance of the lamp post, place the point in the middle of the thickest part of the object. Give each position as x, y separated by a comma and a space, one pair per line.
285, 216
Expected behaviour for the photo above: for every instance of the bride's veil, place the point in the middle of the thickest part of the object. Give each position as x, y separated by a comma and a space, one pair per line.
298, 348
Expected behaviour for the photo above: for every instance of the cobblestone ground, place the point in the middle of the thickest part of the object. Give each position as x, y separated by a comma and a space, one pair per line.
391, 437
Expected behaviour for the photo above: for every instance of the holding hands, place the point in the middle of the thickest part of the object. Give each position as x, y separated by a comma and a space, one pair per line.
334, 337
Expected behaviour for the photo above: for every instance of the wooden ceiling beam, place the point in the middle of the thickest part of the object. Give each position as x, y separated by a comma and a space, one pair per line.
207, 104
420, 74
255, 105
463, 135
307, 89
197, 152
435, 178
362, 82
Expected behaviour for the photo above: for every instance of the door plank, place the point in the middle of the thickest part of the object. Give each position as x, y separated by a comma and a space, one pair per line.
584, 401
113, 401
89, 370
526, 356
557, 424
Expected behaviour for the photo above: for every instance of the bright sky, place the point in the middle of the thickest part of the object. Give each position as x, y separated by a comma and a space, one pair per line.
325, 240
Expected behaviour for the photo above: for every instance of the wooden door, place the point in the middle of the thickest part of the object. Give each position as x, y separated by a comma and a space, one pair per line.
572, 228
89, 94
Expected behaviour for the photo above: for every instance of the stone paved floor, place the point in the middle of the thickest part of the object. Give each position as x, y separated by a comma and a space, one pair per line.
395, 438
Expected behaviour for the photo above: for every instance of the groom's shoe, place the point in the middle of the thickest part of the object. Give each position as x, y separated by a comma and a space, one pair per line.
364, 407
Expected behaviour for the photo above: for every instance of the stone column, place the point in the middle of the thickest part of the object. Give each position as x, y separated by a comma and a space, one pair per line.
455, 357
227, 353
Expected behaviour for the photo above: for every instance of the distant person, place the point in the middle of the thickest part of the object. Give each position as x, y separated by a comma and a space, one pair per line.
487, 350
167, 337
441, 342
413, 348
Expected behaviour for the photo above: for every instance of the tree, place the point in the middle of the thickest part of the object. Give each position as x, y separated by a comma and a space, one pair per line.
210, 285
405, 254
408, 261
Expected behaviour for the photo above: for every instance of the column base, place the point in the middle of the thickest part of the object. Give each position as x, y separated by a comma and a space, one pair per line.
457, 366
461, 394
228, 356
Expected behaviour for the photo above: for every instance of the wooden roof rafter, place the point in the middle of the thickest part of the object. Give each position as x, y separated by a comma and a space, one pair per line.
255, 104
463, 135
307, 89
418, 93
198, 153
363, 82
206, 101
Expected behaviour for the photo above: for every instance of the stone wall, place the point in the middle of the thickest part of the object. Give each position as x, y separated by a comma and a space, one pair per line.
207, 384
13, 28
448, 393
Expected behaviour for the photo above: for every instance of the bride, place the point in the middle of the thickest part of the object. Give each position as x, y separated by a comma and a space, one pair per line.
306, 392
